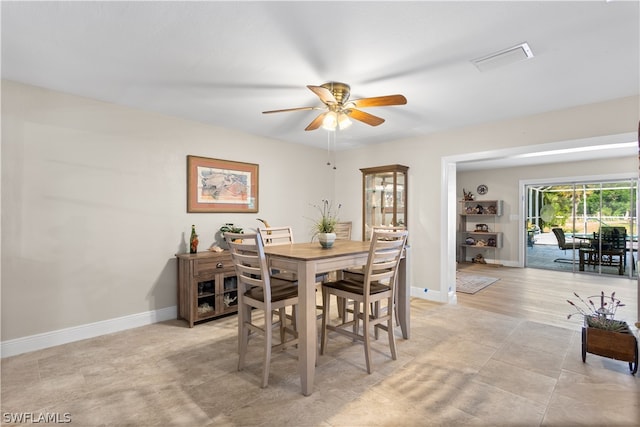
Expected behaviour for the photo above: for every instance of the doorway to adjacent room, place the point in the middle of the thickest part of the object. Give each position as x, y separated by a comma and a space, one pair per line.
584, 226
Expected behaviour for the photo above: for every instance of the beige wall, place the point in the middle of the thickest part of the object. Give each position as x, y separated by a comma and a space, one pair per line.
94, 205
93, 197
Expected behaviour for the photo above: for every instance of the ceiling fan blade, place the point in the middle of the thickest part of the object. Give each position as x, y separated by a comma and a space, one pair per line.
317, 122
379, 101
367, 118
324, 94
290, 109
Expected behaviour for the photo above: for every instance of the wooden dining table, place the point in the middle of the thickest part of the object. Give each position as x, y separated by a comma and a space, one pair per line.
309, 259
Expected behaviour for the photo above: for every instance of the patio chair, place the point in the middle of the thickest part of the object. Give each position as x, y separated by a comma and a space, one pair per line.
611, 245
562, 242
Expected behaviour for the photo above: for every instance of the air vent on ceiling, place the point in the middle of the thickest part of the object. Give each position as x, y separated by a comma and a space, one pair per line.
503, 57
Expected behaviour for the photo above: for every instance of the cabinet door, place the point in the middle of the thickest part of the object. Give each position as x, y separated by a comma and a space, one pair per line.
384, 192
206, 304
227, 293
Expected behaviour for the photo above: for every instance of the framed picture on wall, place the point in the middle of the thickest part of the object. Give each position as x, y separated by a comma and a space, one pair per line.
215, 185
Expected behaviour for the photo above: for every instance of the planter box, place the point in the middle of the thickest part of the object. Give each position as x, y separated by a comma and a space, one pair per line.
614, 345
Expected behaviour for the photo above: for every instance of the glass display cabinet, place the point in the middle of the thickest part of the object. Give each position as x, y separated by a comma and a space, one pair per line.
384, 198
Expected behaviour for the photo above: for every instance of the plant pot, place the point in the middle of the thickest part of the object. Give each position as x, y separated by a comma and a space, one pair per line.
614, 345
326, 239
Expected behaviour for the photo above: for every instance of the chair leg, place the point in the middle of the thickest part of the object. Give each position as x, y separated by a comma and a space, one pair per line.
282, 314
367, 337
325, 318
392, 338
375, 311
268, 342
243, 336
356, 318
342, 303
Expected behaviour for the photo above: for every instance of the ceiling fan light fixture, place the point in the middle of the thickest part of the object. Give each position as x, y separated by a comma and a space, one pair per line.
343, 121
330, 121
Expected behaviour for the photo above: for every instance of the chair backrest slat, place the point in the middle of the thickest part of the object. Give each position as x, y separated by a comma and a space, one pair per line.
272, 236
385, 253
247, 252
343, 230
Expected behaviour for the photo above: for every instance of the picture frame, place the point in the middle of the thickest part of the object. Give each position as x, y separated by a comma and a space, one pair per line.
216, 185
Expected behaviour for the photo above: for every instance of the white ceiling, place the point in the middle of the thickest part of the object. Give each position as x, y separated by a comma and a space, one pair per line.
223, 63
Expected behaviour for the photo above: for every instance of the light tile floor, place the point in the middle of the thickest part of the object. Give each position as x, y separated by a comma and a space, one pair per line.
461, 366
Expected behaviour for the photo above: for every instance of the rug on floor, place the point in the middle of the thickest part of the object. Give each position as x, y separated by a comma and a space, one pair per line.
472, 283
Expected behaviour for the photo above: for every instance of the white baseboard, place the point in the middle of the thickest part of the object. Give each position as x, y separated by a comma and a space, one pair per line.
90, 330
428, 294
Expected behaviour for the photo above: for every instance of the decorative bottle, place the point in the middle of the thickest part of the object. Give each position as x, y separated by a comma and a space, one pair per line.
193, 242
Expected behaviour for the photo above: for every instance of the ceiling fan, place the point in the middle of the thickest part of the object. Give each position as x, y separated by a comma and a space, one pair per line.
338, 108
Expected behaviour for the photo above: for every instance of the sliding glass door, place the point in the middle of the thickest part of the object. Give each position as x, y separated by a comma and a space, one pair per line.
583, 227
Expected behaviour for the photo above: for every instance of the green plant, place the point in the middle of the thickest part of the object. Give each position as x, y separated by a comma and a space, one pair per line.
328, 218
601, 317
231, 228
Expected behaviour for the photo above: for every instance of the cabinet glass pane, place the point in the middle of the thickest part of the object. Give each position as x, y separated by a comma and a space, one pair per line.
384, 197
230, 294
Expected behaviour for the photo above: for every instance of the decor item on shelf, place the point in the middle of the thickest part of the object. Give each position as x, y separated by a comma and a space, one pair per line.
604, 335
482, 227
491, 241
479, 209
469, 241
482, 189
204, 308
325, 226
467, 195
193, 241
228, 300
491, 210
478, 259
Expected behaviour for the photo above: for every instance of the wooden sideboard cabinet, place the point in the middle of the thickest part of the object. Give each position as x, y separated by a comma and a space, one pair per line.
207, 286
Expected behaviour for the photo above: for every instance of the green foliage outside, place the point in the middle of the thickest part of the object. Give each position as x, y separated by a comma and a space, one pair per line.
618, 203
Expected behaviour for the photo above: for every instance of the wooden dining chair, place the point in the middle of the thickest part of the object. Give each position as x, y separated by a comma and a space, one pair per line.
377, 288
276, 235
357, 274
343, 230
259, 293
272, 236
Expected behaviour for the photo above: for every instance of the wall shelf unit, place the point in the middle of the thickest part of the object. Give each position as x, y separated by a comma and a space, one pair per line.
477, 230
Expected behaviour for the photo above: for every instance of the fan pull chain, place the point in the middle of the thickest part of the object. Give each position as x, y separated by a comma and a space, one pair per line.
335, 137
328, 148
331, 148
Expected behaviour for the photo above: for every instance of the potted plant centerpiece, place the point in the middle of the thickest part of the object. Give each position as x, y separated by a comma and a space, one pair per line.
325, 226
604, 335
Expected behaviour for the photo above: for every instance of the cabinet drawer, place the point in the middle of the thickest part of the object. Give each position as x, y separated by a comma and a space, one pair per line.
205, 266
